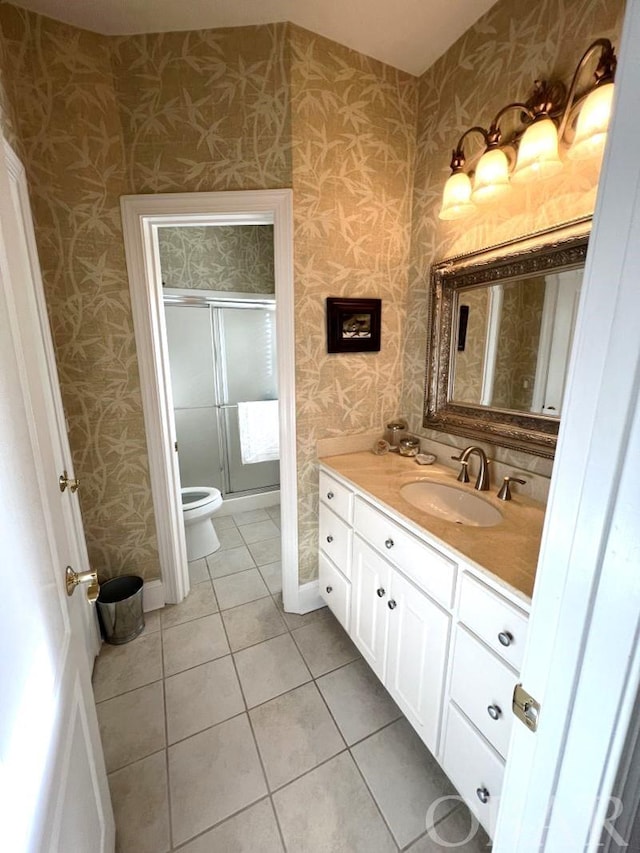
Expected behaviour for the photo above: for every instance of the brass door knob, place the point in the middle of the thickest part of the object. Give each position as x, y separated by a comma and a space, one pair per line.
74, 579
64, 482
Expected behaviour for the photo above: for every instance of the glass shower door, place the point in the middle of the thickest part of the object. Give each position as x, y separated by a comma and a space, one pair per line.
246, 339
190, 344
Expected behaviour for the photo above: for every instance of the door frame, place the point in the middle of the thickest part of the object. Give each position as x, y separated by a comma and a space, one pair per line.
141, 217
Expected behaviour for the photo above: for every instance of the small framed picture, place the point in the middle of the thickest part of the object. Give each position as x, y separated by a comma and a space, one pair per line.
353, 325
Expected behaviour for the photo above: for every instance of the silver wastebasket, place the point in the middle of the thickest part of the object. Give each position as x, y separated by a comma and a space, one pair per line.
120, 609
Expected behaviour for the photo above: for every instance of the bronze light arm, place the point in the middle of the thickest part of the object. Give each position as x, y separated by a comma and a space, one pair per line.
457, 155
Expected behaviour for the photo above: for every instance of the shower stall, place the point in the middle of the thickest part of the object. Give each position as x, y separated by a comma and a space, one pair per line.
222, 352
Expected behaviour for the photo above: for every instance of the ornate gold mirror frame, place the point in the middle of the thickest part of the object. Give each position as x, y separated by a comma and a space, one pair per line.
548, 252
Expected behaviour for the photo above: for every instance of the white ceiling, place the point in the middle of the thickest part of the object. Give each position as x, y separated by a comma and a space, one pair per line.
408, 34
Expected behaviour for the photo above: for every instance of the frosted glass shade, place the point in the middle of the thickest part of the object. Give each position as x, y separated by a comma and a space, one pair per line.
456, 198
538, 152
593, 122
491, 180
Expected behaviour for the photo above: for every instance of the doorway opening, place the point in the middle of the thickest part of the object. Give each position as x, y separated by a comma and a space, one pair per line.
143, 218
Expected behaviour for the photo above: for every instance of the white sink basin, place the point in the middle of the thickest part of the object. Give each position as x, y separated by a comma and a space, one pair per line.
451, 504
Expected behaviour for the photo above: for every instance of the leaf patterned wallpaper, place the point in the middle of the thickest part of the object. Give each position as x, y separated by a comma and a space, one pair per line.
256, 108
61, 84
493, 63
221, 257
518, 347
517, 351
469, 362
353, 130
101, 117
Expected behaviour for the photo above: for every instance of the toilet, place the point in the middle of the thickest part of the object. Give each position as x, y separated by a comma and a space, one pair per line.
199, 503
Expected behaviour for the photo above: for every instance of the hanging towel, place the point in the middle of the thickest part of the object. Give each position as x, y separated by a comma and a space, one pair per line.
259, 437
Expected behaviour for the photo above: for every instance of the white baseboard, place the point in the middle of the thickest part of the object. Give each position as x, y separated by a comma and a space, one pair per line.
309, 598
153, 595
245, 503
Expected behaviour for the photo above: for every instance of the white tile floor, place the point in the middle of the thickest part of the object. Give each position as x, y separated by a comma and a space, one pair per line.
229, 725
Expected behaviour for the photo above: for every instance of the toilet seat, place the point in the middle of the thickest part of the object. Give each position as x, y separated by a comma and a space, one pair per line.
194, 497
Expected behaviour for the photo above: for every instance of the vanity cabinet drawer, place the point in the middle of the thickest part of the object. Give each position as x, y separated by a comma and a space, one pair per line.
501, 625
336, 591
482, 685
473, 767
337, 496
422, 564
335, 539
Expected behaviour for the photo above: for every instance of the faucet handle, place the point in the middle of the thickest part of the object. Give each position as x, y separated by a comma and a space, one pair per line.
463, 476
505, 492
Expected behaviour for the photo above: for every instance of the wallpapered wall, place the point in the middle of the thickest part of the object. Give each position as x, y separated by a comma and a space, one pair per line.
101, 117
493, 63
67, 119
518, 347
353, 130
221, 257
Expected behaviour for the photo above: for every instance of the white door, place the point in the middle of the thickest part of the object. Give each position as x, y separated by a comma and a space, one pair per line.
369, 600
417, 655
582, 659
53, 786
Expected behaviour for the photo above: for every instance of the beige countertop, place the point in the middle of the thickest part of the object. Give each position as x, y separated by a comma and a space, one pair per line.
508, 551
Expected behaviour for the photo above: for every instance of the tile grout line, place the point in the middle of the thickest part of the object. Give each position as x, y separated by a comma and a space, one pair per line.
220, 823
166, 739
375, 802
347, 746
255, 741
244, 698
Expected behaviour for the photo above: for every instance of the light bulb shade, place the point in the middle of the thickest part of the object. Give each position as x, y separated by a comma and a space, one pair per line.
538, 152
456, 197
491, 180
593, 122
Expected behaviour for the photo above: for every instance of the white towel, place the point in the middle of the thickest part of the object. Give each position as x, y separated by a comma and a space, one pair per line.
259, 431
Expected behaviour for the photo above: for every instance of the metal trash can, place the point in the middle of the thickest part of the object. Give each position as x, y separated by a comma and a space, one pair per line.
120, 609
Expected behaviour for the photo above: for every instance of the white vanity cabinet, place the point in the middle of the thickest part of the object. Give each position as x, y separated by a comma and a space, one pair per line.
438, 633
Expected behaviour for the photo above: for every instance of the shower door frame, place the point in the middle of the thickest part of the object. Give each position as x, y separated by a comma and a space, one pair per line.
214, 301
142, 215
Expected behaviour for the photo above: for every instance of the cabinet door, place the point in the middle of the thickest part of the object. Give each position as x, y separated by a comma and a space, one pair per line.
417, 656
369, 597
335, 589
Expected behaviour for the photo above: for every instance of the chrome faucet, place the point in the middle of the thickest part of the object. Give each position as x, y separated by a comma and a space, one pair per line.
482, 483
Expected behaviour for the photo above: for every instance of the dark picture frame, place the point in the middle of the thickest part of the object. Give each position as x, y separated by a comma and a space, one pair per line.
353, 325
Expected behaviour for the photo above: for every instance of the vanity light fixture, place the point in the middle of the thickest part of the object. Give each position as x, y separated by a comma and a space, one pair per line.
550, 116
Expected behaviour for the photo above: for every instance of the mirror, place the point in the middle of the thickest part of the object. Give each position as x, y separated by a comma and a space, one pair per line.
501, 336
